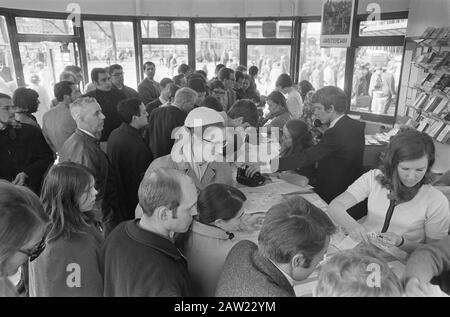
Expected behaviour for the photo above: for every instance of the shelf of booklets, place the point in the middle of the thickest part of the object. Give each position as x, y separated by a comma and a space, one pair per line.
429, 114
435, 92
431, 70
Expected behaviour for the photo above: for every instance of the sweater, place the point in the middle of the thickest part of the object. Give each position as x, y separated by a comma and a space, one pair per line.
246, 273
69, 267
431, 261
136, 263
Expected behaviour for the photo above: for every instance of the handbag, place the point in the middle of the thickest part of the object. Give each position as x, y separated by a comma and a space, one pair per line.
256, 180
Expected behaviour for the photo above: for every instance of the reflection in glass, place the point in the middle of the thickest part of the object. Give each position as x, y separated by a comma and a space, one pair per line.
216, 43
376, 79
110, 43
383, 27
254, 29
320, 66
44, 26
271, 60
7, 74
167, 58
180, 29
42, 64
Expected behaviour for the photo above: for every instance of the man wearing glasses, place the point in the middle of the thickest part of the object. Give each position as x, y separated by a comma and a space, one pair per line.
117, 79
25, 155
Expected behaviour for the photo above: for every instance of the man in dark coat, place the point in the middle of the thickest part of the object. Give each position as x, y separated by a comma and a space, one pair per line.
139, 257
83, 147
292, 242
149, 89
164, 120
24, 154
117, 79
339, 153
129, 154
108, 98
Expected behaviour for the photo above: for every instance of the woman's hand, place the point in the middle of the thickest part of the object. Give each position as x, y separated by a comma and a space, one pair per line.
390, 239
358, 233
252, 169
252, 222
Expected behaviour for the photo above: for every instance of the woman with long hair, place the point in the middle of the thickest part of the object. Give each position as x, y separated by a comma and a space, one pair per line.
278, 111
23, 224
70, 264
221, 222
296, 138
404, 210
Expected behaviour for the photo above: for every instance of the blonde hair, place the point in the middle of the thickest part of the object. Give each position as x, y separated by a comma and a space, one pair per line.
348, 274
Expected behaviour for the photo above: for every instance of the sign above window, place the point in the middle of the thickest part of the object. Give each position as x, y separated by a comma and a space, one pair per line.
269, 29
164, 29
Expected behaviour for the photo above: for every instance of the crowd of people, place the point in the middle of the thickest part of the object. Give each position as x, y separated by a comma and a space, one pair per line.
113, 195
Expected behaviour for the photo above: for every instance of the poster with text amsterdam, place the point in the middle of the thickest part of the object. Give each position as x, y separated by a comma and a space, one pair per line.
337, 22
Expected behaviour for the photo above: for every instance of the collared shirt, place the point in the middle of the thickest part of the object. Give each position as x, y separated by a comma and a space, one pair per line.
290, 279
88, 133
333, 123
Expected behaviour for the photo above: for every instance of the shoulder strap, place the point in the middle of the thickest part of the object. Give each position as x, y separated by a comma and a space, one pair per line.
389, 214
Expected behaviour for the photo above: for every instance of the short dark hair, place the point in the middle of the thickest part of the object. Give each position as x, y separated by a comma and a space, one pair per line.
284, 81
173, 90
331, 96
197, 84
165, 81
292, 226
202, 73
4, 96
113, 67
128, 108
244, 108
212, 103
183, 69
73, 69
24, 97
278, 98
253, 70
148, 64
225, 73
177, 79
97, 71
218, 68
216, 84
305, 87
405, 146
62, 89
219, 201
238, 75
241, 68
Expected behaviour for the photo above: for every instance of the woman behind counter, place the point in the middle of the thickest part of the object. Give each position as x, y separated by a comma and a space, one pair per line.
218, 227
404, 210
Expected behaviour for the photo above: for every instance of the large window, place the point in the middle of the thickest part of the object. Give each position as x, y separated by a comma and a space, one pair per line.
110, 43
44, 26
7, 75
271, 60
320, 66
166, 58
376, 79
216, 43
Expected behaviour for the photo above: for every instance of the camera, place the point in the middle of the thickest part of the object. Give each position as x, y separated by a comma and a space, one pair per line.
256, 180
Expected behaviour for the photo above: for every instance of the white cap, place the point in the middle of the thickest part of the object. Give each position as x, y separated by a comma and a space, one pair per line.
201, 116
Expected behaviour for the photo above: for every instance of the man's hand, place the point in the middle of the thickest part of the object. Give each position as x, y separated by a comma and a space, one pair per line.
358, 233
415, 288
252, 169
389, 239
20, 179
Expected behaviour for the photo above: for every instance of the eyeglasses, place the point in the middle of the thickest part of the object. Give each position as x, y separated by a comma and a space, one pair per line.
35, 251
9, 107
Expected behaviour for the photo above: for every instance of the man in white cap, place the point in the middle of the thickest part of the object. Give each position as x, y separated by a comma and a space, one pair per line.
197, 148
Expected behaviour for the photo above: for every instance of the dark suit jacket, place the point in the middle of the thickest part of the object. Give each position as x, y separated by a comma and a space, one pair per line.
136, 262
23, 149
153, 105
340, 157
246, 273
130, 157
161, 123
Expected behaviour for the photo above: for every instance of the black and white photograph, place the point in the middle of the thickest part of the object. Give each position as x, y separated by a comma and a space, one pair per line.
219, 156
